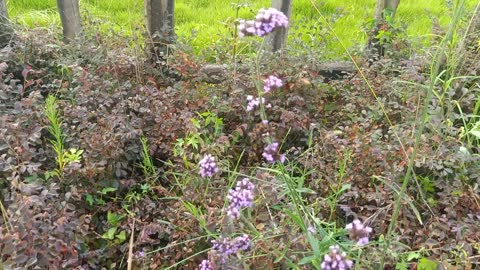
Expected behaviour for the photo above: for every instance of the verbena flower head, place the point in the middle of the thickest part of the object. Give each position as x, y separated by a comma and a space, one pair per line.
205, 265
358, 232
242, 243
336, 260
225, 247
239, 197
208, 167
253, 103
272, 82
270, 153
265, 22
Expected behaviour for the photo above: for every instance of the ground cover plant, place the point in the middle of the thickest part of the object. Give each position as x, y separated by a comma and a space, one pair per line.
107, 162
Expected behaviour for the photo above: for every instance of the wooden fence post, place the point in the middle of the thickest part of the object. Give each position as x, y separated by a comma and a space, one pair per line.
70, 16
278, 40
6, 30
160, 26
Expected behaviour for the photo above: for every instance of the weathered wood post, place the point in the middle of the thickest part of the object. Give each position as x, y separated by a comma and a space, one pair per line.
6, 30
160, 26
278, 40
70, 16
385, 9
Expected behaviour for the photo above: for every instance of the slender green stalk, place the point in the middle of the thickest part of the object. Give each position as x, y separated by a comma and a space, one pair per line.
258, 84
8, 226
341, 174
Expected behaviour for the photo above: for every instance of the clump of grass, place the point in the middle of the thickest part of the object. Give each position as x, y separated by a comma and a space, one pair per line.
203, 17
147, 164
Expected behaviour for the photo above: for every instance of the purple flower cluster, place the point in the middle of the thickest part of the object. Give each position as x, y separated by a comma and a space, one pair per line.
239, 197
205, 265
358, 232
140, 254
270, 153
208, 167
272, 82
253, 103
265, 22
226, 246
336, 260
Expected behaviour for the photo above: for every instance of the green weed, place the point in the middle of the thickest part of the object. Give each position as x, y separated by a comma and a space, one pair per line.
63, 157
147, 164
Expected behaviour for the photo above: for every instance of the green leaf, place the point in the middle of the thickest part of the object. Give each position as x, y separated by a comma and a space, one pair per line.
110, 234
297, 219
426, 264
100, 201
412, 256
345, 187
195, 123
314, 244
89, 199
113, 218
401, 266
305, 190
106, 190
122, 236
49, 174
475, 133
306, 260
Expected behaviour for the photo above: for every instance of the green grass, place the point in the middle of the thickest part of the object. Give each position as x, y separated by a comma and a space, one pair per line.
208, 17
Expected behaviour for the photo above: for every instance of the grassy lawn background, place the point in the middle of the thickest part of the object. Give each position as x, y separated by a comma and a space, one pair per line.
209, 18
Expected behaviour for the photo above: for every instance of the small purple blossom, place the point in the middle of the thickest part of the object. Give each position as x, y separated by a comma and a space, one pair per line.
239, 197
253, 103
270, 153
336, 260
358, 232
226, 246
140, 254
265, 22
242, 243
272, 82
205, 265
208, 167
